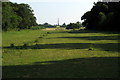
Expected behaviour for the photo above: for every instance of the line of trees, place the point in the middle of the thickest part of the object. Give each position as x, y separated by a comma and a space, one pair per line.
103, 16
76, 25
17, 16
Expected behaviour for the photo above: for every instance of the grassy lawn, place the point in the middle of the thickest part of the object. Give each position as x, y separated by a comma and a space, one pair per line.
60, 54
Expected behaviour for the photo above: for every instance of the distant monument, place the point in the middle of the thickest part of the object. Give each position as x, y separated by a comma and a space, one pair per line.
58, 23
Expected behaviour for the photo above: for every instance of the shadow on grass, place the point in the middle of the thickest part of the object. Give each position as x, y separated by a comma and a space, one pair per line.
104, 47
93, 31
95, 37
54, 46
54, 32
82, 31
96, 67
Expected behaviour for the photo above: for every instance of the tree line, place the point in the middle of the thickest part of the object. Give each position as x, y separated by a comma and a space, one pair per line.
103, 16
76, 25
17, 16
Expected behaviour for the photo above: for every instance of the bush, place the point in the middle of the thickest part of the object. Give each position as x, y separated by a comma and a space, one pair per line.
12, 45
76, 25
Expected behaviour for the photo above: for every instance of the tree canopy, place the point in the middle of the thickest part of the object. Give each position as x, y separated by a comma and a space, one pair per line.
17, 16
76, 25
103, 16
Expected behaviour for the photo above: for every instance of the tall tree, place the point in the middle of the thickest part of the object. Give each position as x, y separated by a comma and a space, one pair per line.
17, 16
63, 25
9, 19
28, 18
103, 16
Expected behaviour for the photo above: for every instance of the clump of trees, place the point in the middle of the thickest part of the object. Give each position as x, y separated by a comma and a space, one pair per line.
63, 25
103, 16
76, 25
17, 16
47, 25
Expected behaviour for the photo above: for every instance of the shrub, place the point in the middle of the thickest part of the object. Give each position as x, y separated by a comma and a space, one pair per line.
12, 45
25, 45
36, 41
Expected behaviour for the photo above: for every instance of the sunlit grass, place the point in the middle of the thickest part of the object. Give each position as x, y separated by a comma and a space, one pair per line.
58, 46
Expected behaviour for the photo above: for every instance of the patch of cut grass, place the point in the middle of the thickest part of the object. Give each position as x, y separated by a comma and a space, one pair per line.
60, 54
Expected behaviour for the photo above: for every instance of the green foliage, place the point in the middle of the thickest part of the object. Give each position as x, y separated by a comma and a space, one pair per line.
46, 25
76, 25
17, 16
26, 13
9, 19
103, 16
12, 45
64, 25
102, 19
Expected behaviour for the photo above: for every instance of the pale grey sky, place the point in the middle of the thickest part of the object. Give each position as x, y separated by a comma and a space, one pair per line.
66, 10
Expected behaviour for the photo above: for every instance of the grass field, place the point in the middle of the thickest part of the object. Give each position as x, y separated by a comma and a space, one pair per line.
60, 54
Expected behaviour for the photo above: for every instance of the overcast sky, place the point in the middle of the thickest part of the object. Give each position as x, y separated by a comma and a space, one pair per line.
66, 10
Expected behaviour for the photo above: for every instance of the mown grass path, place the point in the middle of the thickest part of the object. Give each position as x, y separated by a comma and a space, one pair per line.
60, 54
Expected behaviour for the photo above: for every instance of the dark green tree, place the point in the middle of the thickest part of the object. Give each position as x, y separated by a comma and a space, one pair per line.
76, 25
17, 16
28, 18
103, 16
63, 25
9, 19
